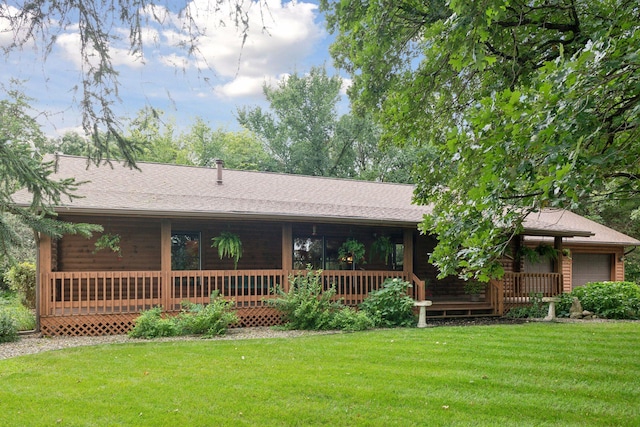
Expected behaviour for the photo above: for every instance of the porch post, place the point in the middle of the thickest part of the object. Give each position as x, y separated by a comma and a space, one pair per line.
165, 262
44, 261
407, 261
287, 254
557, 245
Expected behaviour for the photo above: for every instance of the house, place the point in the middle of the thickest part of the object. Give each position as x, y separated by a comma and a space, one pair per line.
167, 215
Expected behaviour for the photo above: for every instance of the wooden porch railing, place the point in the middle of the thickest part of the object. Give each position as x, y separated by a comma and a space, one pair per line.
73, 293
109, 292
100, 292
518, 287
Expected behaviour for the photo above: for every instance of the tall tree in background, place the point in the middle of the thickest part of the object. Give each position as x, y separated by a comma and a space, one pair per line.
155, 137
303, 133
239, 150
513, 106
299, 128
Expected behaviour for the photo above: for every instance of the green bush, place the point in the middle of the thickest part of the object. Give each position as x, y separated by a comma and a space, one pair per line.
306, 306
8, 326
197, 319
22, 279
207, 320
24, 318
612, 300
350, 319
534, 310
151, 324
390, 305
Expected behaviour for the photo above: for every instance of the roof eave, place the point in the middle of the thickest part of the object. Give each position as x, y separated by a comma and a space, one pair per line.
235, 215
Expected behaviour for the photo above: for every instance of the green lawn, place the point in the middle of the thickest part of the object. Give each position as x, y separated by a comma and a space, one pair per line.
531, 374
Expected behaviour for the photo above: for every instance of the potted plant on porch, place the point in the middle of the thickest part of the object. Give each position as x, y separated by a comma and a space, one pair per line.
474, 288
351, 252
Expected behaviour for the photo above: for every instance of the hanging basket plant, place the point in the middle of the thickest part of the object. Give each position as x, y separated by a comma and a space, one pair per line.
229, 245
108, 241
351, 251
382, 247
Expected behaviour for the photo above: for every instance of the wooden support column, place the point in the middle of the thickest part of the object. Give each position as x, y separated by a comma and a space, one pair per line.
407, 261
287, 253
557, 245
43, 273
165, 262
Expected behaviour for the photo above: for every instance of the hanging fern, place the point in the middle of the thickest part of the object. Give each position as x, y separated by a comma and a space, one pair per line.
229, 245
383, 248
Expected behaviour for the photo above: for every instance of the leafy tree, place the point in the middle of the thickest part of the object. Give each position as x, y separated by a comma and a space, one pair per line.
513, 107
239, 150
71, 143
23, 169
155, 137
298, 132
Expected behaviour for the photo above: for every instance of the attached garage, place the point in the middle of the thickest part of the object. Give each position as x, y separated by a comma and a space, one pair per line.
590, 268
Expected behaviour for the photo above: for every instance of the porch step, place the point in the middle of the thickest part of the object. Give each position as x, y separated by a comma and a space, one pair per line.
461, 309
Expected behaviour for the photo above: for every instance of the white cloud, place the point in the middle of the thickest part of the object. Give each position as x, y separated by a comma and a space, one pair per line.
346, 84
9, 33
69, 43
279, 37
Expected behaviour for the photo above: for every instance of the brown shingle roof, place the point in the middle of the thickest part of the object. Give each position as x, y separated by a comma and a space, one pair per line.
186, 191
569, 220
159, 189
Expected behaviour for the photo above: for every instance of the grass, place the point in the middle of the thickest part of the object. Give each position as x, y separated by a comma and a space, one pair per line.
526, 375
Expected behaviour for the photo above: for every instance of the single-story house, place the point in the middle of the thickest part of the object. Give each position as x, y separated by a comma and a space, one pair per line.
167, 215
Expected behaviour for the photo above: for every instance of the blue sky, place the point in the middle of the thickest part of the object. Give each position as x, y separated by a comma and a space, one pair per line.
211, 84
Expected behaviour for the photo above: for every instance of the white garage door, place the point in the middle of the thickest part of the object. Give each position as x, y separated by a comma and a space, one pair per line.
590, 268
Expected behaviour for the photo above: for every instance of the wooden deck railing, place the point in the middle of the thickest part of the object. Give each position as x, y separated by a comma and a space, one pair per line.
71, 293
519, 287
99, 292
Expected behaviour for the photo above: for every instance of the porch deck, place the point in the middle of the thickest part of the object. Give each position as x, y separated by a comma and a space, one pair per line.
93, 303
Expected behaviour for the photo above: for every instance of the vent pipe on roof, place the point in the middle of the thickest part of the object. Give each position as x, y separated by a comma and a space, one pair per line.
219, 164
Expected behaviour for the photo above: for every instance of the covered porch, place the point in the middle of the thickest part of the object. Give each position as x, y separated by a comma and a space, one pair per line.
94, 303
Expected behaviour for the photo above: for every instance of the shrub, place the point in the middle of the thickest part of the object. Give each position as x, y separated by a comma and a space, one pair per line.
207, 320
612, 300
306, 306
534, 310
22, 279
390, 305
8, 326
350, 319
151, 324
198, 319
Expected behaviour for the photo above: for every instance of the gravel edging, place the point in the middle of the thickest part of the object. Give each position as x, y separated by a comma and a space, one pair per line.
36, 343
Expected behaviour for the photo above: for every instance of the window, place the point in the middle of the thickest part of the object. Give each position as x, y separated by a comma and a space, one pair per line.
185, 251
319, 252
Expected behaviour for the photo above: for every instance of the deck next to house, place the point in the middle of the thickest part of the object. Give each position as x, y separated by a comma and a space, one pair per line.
107, 302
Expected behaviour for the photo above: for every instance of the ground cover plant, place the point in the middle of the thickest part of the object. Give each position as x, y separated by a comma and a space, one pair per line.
531, 374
